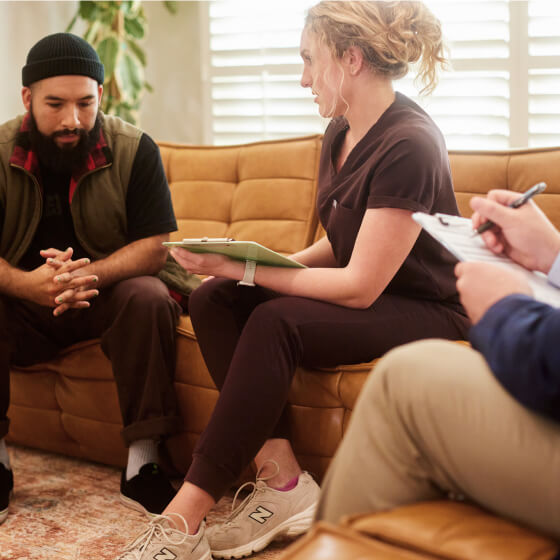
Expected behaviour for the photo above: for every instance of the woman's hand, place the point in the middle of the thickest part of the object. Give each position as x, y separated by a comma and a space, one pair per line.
208, 264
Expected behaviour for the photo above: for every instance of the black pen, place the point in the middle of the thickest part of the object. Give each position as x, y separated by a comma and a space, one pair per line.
525, 197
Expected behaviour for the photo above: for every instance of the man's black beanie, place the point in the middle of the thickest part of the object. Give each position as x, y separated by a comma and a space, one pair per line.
61, 54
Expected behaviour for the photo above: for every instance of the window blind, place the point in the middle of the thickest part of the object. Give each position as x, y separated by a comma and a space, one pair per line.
503, 89
254, 72
544, 73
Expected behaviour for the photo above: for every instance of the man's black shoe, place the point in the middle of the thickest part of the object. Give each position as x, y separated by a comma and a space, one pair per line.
149, 491
6, 486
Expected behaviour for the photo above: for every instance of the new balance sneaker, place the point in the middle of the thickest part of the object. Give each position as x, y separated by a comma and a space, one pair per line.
160, 540
6, 487
149, 491
264, 515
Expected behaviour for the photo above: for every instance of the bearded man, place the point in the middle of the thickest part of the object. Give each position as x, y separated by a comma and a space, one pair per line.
84, 208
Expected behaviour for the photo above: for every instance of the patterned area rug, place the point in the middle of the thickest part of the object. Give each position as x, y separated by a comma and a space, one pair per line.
68, 509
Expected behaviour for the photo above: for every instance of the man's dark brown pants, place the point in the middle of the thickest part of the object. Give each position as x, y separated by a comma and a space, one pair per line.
135, 320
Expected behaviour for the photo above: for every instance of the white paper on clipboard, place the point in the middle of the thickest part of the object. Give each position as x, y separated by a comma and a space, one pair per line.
456, 235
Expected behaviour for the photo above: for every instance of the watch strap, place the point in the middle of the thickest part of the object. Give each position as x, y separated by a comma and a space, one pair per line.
249, 276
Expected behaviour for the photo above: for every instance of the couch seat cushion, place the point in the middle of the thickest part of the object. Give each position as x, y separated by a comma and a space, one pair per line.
456, 531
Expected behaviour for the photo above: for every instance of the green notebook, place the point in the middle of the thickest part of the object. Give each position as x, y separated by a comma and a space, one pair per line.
238, 250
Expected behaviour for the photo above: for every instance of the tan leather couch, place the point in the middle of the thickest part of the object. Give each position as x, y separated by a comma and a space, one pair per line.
264, 192
431, 530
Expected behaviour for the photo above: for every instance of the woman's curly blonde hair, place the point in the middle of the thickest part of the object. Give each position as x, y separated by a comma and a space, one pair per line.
391, 35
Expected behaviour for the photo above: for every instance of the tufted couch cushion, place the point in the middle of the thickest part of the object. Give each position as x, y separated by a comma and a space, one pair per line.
431, 530
263, 192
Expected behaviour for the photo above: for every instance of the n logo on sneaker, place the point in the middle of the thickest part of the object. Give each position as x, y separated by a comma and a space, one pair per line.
261, 515
165, 554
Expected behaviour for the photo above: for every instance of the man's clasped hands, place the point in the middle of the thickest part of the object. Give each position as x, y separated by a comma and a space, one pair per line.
62, 283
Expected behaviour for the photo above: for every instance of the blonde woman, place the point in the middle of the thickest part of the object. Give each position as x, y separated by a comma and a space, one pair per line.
374, 282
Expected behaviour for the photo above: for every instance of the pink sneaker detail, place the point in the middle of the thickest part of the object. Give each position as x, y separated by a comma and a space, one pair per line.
290, 485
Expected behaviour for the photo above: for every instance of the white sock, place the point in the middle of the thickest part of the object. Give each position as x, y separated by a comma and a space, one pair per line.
140, 452
4, 457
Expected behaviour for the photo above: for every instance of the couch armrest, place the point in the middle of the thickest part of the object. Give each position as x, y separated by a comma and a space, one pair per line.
454, 530
329, 542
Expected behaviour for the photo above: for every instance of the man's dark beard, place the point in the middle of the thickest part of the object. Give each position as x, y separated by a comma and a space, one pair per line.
67, 159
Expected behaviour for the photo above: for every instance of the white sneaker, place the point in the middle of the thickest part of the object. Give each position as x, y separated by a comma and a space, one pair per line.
162, 541
264, 515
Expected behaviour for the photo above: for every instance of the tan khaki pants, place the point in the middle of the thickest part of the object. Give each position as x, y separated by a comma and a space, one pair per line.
432, 422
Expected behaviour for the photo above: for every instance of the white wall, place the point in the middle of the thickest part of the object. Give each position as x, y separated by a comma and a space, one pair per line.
22, 24
172, 112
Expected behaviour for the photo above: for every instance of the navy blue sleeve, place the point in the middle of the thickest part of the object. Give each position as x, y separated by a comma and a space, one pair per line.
148, 201
520, 339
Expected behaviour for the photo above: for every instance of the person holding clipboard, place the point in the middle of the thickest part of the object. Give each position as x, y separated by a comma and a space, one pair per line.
373, 282
479, 424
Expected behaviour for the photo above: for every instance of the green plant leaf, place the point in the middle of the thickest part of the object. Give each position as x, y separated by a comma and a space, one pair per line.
131, 77
137, 10
171, 6
126, 114
122, 56
72, 23
133, 27
137, 51
91, 31
126, 6
106, 104
108, 15
88, 10
108, 51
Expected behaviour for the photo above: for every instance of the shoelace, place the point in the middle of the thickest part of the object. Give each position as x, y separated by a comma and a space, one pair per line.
235, 511
135, 550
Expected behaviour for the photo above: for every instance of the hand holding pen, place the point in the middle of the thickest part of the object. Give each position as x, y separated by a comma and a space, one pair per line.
519, 230
525, 197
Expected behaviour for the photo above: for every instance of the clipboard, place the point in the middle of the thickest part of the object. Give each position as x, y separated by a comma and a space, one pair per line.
456, 235
237, 250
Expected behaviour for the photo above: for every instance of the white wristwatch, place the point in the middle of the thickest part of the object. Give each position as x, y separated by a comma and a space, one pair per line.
249, 276
554, 272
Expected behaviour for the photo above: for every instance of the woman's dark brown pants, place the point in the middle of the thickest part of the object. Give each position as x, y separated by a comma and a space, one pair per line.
252, 341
